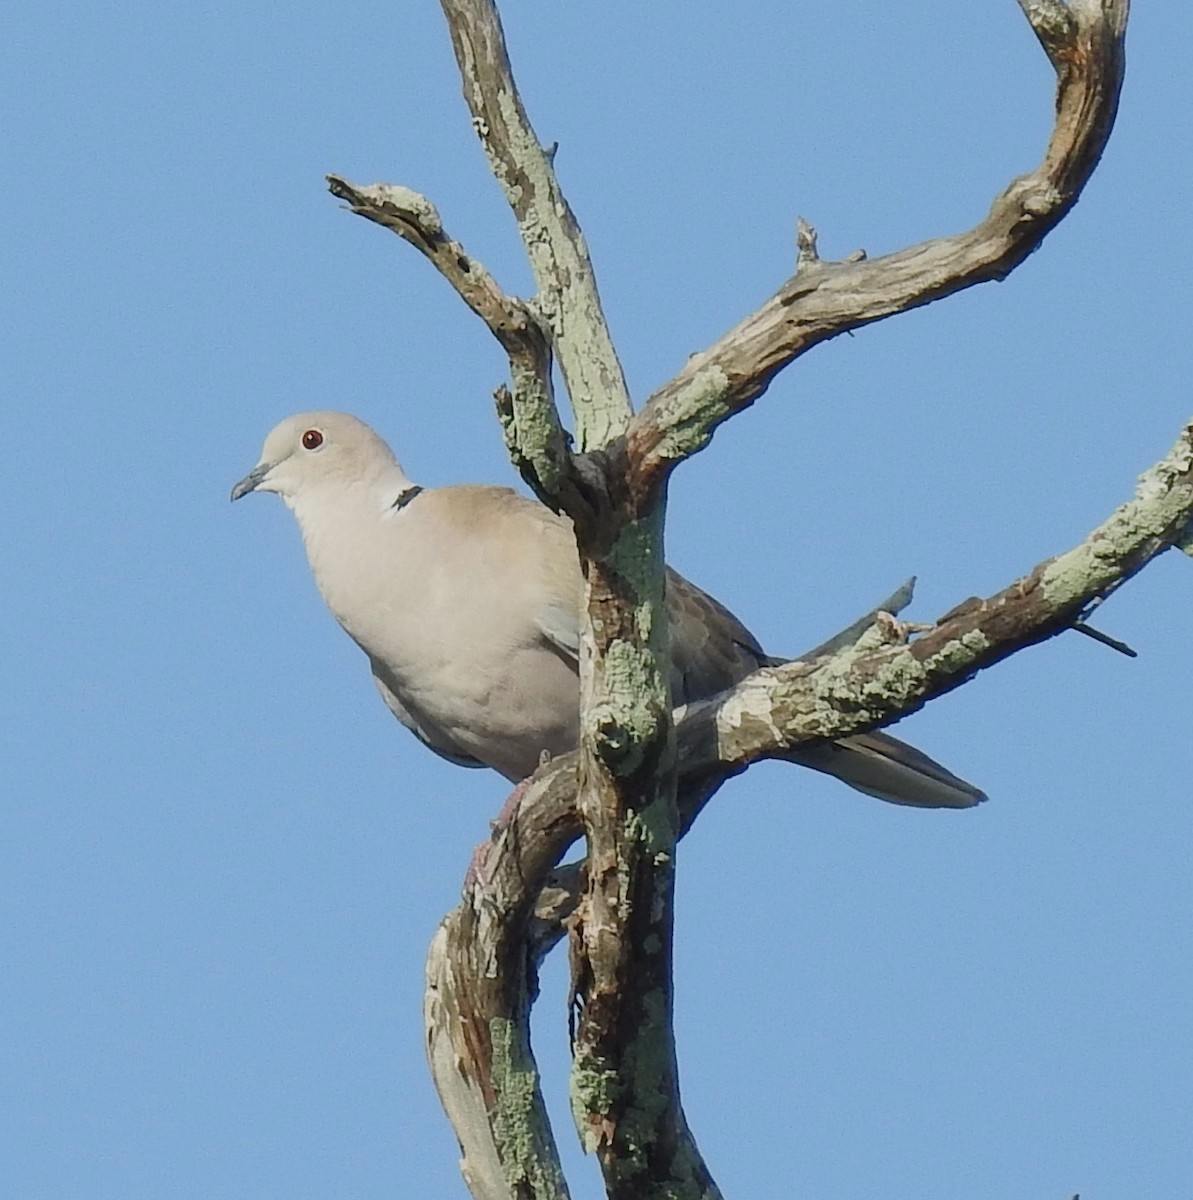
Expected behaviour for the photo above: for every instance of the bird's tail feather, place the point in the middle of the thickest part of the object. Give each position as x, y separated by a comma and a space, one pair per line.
891, 770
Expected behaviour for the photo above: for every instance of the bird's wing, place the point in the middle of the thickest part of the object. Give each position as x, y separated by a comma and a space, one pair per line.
711, 649
560, 627
536, 571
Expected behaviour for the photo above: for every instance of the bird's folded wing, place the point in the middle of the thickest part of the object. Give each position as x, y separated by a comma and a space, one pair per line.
711, 649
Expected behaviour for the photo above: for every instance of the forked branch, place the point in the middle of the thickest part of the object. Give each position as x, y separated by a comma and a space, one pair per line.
624, 1089
535, 437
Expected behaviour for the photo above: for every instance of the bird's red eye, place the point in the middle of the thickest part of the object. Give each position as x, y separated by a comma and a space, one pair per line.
312, 439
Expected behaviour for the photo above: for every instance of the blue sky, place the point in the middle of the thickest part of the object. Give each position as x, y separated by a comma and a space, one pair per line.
222, 860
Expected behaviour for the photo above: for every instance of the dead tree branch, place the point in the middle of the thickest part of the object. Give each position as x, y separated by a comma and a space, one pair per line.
416, 220
568, 298
824, 299
535, 437
885, 675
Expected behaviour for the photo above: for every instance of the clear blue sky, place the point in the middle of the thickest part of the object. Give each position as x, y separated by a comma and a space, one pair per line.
222, 860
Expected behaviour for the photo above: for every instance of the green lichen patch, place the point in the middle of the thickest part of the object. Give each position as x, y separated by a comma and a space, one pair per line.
655, 828
630, 716
692, 412
594, 1090
518, 1121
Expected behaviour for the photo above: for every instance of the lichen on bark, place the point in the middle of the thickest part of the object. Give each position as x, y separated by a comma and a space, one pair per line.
632, 704
516, 1114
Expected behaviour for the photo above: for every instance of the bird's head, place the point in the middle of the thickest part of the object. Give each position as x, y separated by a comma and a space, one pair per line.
314, 450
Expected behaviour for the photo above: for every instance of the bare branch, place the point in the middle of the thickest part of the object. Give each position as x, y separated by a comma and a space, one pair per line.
481, 982
416, 220
537, 441
1085, 43
807, 255
568, 297
1104, 639
1053, 23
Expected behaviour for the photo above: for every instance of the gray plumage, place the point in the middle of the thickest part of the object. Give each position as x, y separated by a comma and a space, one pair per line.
467, 601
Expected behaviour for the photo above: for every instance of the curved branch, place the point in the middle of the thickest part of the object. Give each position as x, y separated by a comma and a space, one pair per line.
517, 906
416, 220
1085, 43
481, 983
534, 435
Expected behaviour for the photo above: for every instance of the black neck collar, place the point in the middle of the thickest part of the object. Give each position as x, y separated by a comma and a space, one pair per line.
405, 497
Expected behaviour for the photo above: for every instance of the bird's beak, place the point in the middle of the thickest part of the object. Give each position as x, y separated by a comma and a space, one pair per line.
252, 480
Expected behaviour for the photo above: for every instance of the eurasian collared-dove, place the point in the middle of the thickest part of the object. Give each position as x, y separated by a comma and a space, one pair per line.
467, 600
